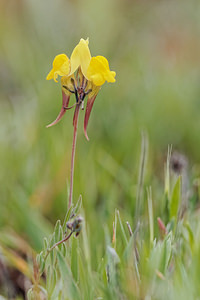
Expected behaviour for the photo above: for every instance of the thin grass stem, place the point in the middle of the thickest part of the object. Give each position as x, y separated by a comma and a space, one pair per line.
143, 159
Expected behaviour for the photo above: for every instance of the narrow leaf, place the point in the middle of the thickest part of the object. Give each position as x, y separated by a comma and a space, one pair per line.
78, 205
57, 231
52, 254
190, 235
45, 242
71, 287
50, 280
74, 258
166, 254
175, 199
122, 228
150, 210
67, 217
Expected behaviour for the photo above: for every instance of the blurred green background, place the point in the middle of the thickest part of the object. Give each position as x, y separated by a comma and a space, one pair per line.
154, 48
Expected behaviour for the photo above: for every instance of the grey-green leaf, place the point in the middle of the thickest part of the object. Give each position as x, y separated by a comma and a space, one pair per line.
71, 287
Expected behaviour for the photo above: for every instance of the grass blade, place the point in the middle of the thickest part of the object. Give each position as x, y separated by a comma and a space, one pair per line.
175, 199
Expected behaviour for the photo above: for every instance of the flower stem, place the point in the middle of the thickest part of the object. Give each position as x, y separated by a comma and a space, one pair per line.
58, 243
75, 123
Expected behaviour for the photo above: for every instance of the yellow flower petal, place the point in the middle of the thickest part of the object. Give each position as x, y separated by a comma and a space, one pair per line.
99, 72
80, 57
61, 66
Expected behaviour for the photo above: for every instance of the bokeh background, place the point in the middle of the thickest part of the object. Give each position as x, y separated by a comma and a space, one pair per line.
154, 47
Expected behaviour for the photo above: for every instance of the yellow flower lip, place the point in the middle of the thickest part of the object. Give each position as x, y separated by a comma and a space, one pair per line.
99, 72
61, 66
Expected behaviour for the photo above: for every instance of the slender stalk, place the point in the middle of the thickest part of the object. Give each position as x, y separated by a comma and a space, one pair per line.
75, 123
58, 243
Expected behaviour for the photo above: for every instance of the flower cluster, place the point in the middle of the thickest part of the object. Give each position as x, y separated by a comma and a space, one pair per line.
91, 74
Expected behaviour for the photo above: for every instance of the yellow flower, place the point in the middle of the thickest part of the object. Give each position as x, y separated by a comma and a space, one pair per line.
95, 69
91, 75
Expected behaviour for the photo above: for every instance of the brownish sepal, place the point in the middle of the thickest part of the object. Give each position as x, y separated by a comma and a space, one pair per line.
89, 106
65, 103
